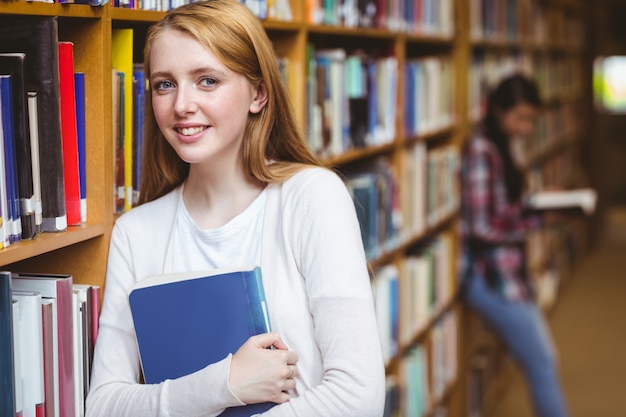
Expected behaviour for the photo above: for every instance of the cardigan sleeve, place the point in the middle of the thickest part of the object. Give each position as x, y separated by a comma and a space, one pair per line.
324, 234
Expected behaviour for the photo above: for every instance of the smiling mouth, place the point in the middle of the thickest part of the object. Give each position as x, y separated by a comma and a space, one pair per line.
189, 131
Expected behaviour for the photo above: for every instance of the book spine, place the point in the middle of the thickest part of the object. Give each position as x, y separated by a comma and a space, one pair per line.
122, 60
13, 64
260, 320
31, 336
7, 370
49, 361
34, 152
10, 170
81, 135
4, 209
67, 95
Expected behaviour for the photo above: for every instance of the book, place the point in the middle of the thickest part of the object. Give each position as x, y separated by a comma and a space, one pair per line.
50, 357
90, 307
31, 339
59, 288
139, 103
122, 61
118, 141
37, 37
583, 198
34, 153
5, 230
17, 359
81, 136
78, 334
69, 138
10, 170
7, 371
12, 63
227, 304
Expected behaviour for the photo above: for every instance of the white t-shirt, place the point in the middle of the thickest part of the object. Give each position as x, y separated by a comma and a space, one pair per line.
238, 242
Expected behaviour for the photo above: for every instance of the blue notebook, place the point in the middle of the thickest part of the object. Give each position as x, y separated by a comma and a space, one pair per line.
186, 321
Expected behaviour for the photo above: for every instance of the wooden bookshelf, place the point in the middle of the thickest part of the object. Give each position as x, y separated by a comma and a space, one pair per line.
82, 250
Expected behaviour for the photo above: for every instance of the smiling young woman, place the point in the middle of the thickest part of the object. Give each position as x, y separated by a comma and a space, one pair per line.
228, 179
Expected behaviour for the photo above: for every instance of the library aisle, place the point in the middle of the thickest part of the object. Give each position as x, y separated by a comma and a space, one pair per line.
589, 329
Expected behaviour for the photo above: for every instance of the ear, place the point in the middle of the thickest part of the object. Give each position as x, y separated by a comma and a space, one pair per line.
260, 98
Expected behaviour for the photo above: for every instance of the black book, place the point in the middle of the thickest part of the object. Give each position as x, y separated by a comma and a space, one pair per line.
7, 370
13, 64
37, 37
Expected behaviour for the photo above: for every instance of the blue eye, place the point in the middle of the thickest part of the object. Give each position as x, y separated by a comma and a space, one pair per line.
208, 82
163, 85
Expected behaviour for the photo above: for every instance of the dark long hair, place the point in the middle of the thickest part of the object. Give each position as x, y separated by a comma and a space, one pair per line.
510, 92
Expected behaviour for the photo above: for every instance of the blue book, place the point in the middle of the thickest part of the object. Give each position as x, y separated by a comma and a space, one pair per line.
10, 171
139, 102
168, 310
81, 135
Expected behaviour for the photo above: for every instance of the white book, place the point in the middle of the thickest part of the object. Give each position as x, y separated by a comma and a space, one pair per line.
77, 337
585, 198
31, 339
34, 152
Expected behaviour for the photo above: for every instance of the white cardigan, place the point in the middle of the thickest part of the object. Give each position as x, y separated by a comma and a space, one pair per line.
319, 298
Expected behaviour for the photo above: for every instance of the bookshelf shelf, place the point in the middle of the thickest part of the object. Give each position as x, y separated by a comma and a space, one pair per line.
134, 16
48, 242
34, 8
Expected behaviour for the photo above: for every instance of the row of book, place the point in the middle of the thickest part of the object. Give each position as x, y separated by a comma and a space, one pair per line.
429, 95
556, 75
527, 21
351, 100
48, 328
390, 215
431, 191
408, 296
375, 191
427, 370
42, 130
263, 9
423, 17
555, 126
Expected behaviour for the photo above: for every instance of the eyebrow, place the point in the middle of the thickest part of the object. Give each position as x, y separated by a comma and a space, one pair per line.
195, 71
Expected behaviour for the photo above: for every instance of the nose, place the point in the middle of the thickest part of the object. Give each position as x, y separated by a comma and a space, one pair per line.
186, 100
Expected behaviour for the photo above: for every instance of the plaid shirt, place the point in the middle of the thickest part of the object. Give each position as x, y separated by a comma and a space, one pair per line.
493, 230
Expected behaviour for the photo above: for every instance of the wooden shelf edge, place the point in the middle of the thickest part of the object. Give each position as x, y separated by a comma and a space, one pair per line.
39, 8
134, 15
48, 242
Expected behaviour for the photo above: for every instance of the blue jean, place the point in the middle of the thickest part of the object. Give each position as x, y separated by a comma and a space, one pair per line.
524, 331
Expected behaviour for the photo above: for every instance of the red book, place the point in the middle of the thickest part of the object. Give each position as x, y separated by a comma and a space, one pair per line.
69, 136
59, 288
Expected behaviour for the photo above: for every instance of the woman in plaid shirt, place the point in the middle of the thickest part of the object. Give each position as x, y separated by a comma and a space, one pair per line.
494, 229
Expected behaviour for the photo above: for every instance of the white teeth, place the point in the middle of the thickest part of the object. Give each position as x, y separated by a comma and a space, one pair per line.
188, 131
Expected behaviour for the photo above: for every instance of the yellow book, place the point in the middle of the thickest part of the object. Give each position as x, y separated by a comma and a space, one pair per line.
122, 62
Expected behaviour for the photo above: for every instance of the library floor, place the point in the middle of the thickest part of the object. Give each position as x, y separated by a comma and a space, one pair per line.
589, 329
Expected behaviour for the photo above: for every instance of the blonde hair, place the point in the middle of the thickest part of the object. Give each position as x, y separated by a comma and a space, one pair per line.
274, 145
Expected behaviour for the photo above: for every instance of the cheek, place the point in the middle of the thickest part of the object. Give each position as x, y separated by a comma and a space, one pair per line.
160, 110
